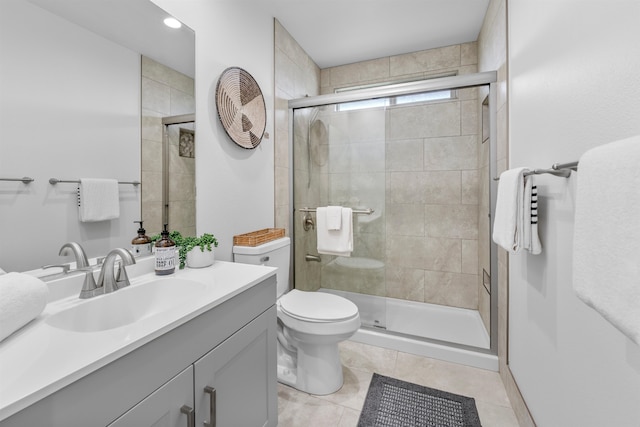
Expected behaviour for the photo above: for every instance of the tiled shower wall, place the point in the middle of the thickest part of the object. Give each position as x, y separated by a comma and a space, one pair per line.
427, 235
166, 92
296, 76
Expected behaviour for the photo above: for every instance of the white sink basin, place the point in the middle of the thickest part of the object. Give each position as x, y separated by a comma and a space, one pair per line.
126, 306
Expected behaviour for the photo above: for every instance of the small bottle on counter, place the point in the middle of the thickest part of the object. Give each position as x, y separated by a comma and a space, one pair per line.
141, 244
165, 254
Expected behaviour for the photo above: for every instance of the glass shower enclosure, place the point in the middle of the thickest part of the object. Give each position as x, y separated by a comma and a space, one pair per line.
414, 161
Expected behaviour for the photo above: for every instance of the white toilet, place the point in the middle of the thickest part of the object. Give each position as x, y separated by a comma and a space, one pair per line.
310, 324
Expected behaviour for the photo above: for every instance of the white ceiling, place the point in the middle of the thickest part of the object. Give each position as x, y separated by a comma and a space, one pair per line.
332, 32
338, 32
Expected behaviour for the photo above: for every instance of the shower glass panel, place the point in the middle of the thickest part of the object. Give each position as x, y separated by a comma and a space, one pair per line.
421, 163
340, 161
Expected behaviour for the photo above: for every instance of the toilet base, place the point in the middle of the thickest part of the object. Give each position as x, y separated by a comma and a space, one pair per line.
314, 369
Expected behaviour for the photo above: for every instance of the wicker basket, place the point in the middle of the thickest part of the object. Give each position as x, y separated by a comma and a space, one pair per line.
259, 237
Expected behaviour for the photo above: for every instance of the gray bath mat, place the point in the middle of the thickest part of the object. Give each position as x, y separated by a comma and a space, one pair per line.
391, 402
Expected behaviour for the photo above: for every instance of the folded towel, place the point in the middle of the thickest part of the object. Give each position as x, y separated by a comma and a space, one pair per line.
507, 225
516, 219
22, 299
335, 242
606, 261
99, 199
334, 217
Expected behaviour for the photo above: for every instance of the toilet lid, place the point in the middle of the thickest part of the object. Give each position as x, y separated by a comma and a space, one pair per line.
317, 306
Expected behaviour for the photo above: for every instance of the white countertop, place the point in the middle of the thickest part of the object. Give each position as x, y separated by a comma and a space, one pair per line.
40, 359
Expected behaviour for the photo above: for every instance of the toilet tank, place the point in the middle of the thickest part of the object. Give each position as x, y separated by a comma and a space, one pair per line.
275, 253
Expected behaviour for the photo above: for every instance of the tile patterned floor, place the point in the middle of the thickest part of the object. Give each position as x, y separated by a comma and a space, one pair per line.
342, 409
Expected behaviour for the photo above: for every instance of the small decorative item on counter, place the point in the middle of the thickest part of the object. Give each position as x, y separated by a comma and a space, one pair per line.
194, 252
165, 254
198, 251
141, 244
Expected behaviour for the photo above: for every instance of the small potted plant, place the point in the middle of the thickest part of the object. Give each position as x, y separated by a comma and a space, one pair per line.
194, 252
198, 251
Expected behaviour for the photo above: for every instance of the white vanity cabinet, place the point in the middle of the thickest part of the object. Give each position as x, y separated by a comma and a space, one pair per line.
230, 348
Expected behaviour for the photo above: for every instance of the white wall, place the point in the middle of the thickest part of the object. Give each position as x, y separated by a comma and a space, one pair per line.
574, 84
69, 108
235, 187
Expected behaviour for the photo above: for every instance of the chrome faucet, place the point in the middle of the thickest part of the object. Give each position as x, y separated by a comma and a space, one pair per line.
78, 253
108, 281
82, 264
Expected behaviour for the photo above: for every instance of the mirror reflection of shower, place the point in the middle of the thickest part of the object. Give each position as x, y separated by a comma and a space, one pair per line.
179, 173
168, 149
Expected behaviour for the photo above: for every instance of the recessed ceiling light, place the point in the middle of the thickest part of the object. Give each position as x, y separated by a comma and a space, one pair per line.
172, 23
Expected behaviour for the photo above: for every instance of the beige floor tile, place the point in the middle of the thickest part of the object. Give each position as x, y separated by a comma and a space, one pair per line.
480, 384
296, 409
495, 415
349, 418
342, 409
353, 391
368, 358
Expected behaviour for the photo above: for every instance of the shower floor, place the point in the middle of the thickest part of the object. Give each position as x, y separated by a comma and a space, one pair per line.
425, 329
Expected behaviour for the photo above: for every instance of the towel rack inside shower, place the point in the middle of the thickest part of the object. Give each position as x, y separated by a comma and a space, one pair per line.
24, 179
558, 169
367, 211
54, 181
309, 224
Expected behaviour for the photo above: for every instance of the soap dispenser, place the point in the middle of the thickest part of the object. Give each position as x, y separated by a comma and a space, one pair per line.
165, 254
141, 244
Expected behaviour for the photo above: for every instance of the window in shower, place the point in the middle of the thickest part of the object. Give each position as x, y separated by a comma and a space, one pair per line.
396, 100
438, 95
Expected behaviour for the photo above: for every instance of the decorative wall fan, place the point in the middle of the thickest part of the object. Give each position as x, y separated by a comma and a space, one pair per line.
241, 107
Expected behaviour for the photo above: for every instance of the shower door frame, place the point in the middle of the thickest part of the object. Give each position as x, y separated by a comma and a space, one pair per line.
166, 122
443, 83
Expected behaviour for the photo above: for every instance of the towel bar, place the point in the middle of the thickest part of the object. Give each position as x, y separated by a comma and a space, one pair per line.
24, 179
54, 181
558, 169
367, 211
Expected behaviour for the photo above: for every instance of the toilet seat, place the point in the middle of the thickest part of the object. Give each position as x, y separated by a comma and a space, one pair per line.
317, 306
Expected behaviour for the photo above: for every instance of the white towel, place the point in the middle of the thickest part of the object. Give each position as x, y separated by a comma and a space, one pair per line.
99, 199
515, 225
507, 225
335, 242
334, 217
606, 258
22, 299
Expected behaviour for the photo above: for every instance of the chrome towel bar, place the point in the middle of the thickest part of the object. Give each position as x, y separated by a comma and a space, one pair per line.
367, 211
558, 169
24, 179
54, 181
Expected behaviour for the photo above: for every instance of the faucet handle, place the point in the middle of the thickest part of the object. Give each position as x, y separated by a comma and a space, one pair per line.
65, 267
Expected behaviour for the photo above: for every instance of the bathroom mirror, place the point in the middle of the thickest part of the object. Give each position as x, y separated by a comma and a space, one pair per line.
55, 129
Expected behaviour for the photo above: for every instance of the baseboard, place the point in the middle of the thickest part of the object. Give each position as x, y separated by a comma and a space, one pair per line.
515, 397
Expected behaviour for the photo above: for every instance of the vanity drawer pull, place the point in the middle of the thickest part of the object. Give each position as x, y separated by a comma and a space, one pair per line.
212, 406
191, 416
264, 259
